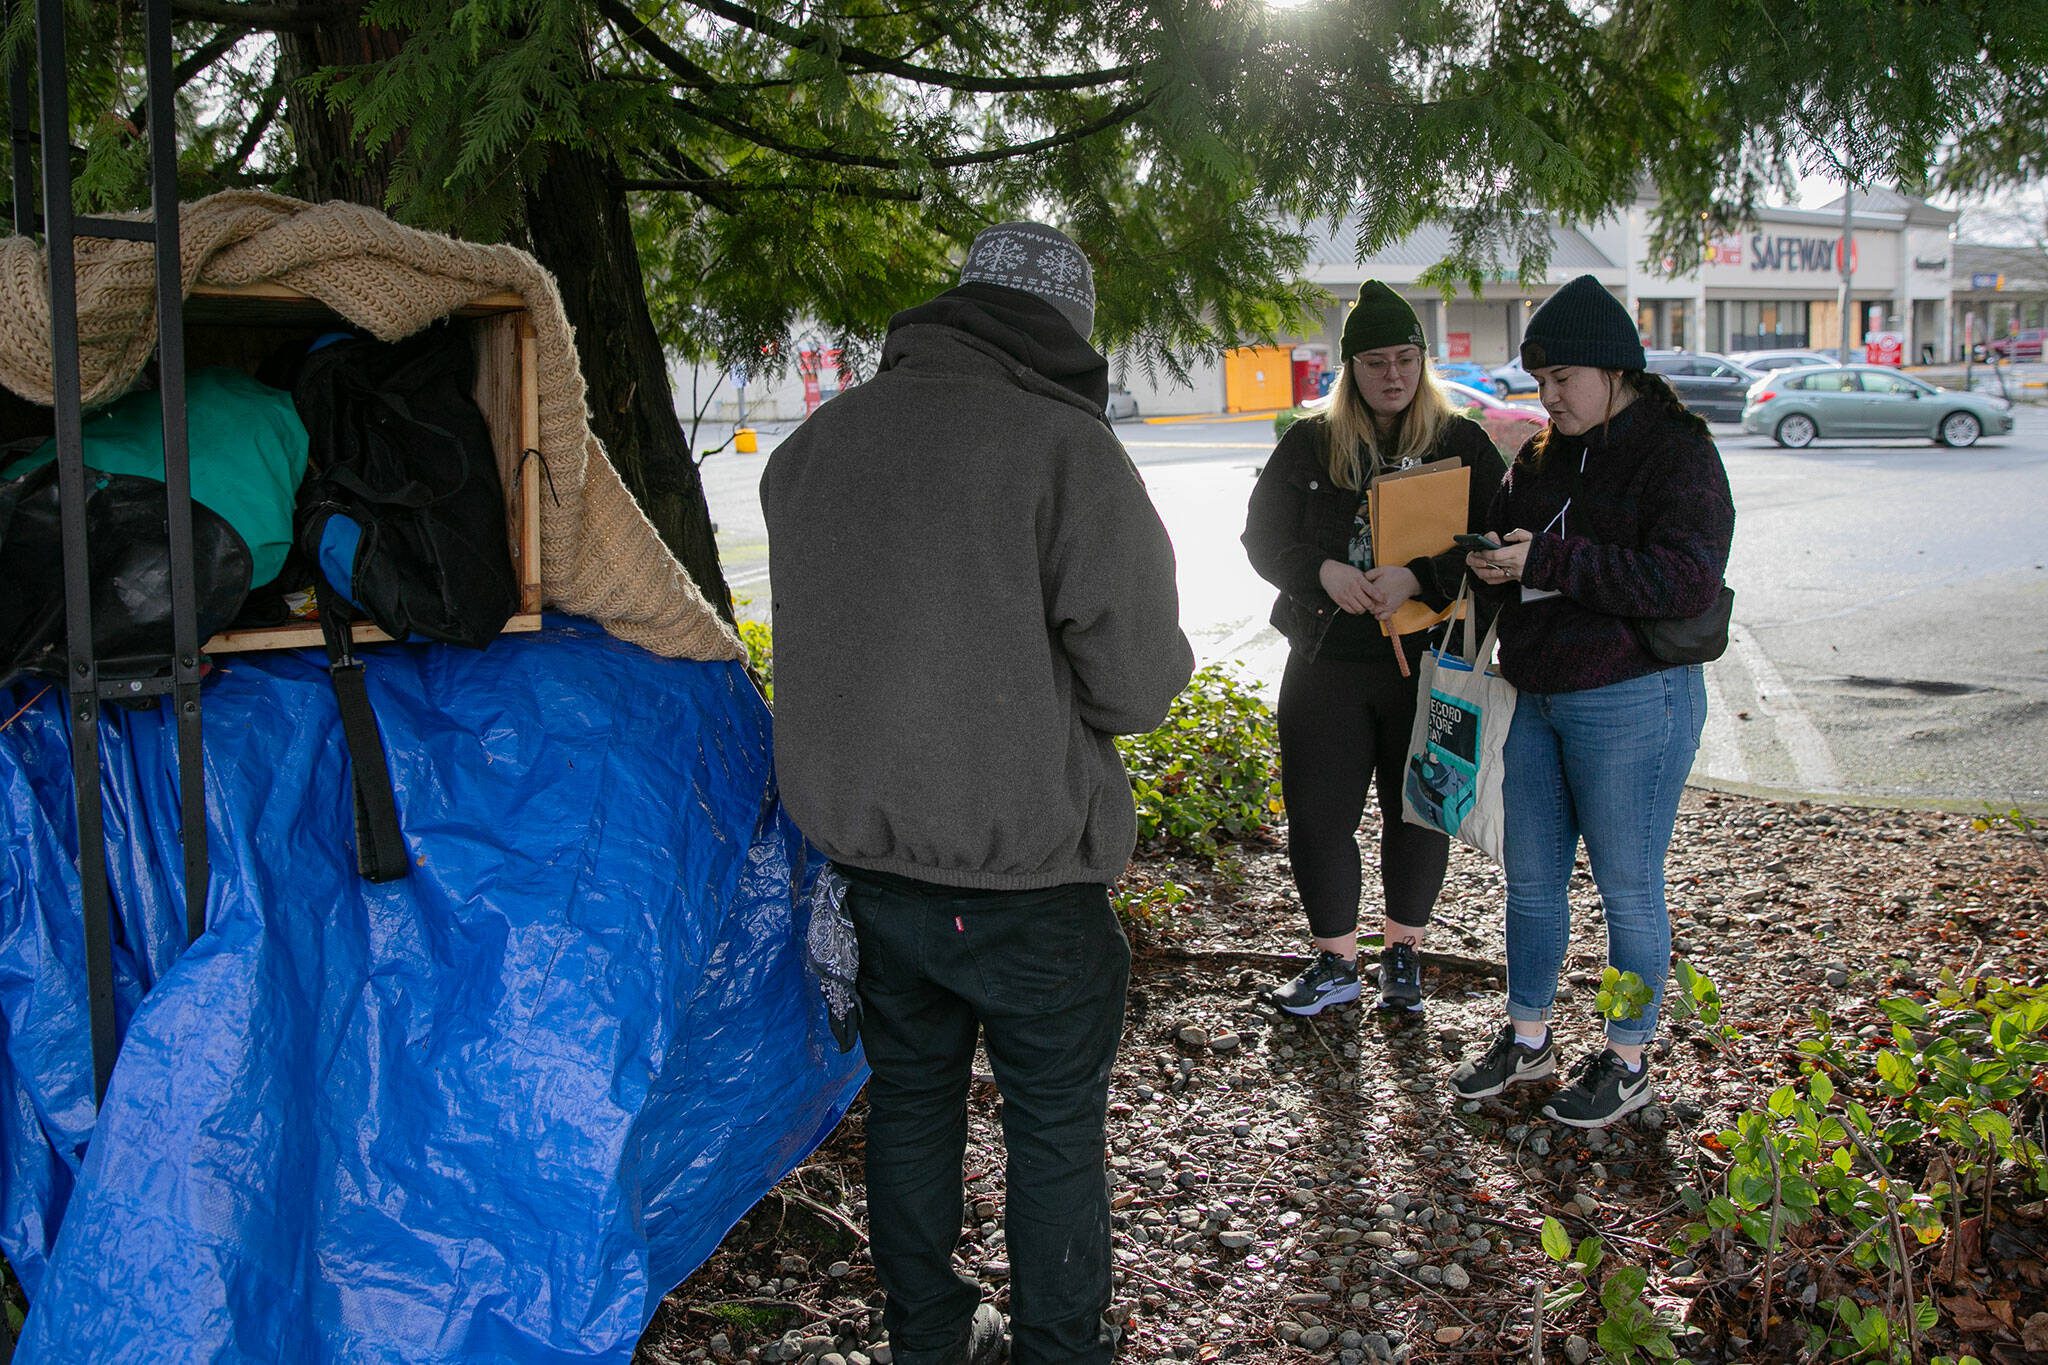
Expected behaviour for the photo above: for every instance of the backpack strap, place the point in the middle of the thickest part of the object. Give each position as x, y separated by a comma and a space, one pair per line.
380, 844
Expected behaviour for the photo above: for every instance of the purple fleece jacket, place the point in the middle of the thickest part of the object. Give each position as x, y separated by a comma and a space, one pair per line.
1646, 537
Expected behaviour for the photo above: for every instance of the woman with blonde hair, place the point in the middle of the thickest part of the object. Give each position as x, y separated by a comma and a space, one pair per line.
1346, 706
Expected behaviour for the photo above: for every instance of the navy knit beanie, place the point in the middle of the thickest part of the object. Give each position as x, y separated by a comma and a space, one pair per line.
1582, 324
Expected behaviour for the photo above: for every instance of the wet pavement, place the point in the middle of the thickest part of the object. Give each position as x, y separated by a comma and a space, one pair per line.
1891, 609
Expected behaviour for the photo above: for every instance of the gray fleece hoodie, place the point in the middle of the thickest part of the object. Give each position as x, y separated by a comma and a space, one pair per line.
973, 593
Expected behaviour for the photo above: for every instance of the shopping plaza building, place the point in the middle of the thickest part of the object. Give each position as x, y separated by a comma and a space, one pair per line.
1775, 285
1772, 286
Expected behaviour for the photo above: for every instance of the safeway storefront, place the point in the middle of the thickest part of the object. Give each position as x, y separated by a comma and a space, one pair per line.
1774, 286
1778, 284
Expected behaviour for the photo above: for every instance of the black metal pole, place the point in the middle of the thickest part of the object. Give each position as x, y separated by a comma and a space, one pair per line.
170, 354
83, 674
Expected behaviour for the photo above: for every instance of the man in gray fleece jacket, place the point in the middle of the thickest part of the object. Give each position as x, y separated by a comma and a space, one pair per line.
973, 593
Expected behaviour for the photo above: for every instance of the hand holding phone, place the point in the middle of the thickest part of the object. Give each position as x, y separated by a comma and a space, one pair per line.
1477, 545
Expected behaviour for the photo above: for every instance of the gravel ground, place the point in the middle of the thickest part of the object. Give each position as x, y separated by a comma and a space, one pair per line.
1294, 1190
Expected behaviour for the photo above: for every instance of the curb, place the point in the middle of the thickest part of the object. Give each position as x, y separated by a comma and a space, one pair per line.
1265, 415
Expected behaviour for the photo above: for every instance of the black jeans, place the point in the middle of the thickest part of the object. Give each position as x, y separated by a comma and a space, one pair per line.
1041, 974
1344, 730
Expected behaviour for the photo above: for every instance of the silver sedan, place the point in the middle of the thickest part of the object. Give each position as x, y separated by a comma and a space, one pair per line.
1798, 407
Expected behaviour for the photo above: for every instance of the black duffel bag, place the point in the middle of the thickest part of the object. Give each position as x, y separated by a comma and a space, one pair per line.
128, 547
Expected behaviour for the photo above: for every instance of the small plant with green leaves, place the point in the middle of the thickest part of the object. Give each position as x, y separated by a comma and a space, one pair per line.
2013, 818
1963, 1070
1866, 1332
1149, 903
1209, 773
1629, 1329
1578, 1263
1699, 1000
760, 643
1622, 995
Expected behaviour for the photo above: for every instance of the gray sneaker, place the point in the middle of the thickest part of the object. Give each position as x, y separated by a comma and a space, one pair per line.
985, 1336
1505, 1063
1400, 977
1604, 1090
1329, 980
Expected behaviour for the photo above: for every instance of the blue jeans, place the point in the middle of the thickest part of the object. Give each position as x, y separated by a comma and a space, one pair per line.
1607, 764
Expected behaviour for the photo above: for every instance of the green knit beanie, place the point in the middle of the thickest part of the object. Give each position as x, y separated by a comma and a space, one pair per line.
1380, 318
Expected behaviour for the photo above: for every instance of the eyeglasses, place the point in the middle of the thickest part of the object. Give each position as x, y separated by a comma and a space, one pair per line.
1379, 367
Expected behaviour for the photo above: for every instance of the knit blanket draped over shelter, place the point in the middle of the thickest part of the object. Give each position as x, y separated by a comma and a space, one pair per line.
600, 556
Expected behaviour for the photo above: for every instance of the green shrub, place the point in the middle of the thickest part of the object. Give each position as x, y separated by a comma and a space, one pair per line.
1211, 771
760, 643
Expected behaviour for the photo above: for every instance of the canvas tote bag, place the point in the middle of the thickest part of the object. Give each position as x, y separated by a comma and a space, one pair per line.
1453, 780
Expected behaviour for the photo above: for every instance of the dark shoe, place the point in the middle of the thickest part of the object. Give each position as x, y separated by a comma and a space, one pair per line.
1506, 1063
1604, 1091
1400, 977
1329, 980
985, 1336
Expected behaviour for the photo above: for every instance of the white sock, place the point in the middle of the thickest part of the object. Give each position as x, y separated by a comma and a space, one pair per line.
1633, 1066
1531, 1036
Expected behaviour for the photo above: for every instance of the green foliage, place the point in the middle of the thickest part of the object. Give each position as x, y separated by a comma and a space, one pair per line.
1959, 1089
1629, 1328
1209, 773
1632, 1330
820, 164
1698, 999
760, 643
1148, 902
763, 1318
2012, 818
1622, 995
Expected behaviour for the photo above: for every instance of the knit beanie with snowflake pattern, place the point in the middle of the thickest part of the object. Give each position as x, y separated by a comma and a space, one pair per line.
1039, 260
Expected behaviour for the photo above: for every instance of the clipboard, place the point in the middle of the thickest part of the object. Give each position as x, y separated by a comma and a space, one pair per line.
1413, 513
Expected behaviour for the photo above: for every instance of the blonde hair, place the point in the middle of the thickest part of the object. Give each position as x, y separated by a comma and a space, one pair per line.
1355, 455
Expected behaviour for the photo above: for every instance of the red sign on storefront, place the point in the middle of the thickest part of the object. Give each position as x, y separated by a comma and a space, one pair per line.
1460, 344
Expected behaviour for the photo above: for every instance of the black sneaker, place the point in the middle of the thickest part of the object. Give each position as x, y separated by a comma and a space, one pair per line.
1604, 1091
985, 1336
1505, 1063
1329, 980
1400, 977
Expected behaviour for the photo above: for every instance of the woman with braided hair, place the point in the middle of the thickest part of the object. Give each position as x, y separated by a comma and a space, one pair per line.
1616, 515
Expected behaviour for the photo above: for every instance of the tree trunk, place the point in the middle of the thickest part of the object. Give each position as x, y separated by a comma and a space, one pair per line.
331, 162
580, 229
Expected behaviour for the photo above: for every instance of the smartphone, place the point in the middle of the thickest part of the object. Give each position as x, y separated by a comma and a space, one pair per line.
1476, 544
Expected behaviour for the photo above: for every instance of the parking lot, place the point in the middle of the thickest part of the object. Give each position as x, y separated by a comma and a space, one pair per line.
1891, 610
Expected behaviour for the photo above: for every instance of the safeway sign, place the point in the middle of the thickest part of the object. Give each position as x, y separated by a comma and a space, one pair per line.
1884, 348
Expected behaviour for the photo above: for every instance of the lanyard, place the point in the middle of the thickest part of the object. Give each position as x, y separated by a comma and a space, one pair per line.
1556, 524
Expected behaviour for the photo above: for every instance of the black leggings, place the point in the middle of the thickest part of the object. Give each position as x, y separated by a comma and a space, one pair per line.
1344, 729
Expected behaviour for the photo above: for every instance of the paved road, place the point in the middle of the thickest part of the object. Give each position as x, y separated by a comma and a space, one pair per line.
1891, 611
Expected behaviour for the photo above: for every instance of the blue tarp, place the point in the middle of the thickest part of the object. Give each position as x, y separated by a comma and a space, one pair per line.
491, 1111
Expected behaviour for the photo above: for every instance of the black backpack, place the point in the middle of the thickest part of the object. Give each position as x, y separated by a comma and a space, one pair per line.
402, 509
402, 515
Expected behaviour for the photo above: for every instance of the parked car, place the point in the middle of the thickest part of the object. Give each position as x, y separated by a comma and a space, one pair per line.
1466, 372
1764, 362
1512, 378
1711, 385
1797, 407
1122, 406
1509, 425
2024, 344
